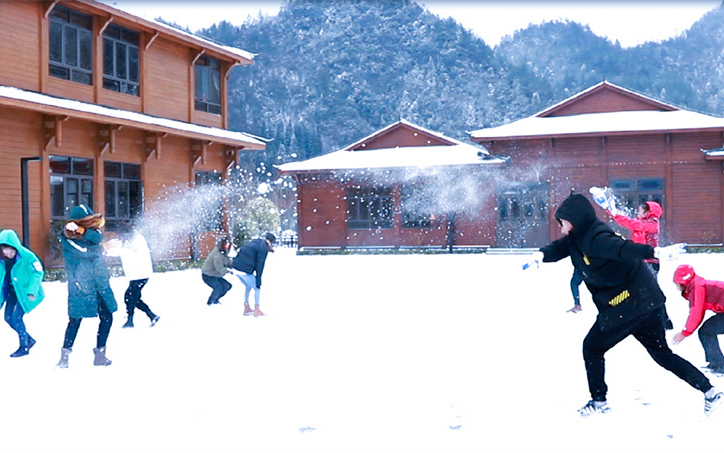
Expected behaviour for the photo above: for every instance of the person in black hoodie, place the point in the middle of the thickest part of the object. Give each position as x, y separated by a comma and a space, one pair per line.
626, 293
248, 265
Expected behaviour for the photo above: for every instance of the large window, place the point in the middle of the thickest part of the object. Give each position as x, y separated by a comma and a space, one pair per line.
71, 45
123, 190
369, 207
120, 60
418, 206
71, 184
208, 85
208, 184
632, 193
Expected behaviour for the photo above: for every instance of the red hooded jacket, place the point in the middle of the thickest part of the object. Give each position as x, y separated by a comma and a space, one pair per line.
702, 295
645, 230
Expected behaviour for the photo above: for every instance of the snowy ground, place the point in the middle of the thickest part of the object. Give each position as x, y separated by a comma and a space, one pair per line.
424, 353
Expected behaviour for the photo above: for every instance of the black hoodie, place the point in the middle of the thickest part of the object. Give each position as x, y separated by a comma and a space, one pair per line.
613, 268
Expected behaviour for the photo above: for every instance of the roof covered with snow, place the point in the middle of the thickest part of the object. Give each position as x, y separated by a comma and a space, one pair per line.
410, 156
597, 123
15, 97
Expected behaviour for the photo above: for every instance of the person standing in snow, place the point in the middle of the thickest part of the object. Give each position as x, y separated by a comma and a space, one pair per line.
89, 289
248, 265
22, 291
702, 295
138, 267
213, 271
645, 229
626, 294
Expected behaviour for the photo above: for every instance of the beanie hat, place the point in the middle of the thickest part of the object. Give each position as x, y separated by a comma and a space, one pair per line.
683, 274
270, 237
80, 211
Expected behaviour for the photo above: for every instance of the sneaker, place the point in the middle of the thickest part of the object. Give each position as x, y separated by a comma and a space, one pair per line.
247, 310
575, 309
594, 407
22, 350
128, 324
258, 312
711, 404
155, 320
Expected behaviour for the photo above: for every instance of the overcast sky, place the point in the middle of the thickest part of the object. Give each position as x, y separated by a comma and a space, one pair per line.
631, 23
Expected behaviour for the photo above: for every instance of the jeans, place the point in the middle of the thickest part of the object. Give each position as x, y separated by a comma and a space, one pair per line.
649, 331
104, 328
576, 280
219, 285
708, 335
249, 282
14, 317
132, 298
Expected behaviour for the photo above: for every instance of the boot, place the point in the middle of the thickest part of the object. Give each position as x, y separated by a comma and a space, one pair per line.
257, 312
128, 324
247, 309
100, 359
64, 353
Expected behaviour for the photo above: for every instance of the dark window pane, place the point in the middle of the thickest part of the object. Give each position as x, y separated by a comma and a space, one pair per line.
61, 73
133, 64
82, 166
131, 171
120, 60
61, 12
86, 51
110, 188
107, 57
57, 196
135, 198
71, 46
112, 169
123, 199
81, 77
56, 42
59, 165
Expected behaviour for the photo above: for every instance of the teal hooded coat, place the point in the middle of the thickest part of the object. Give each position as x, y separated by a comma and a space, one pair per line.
88, 278
26, 274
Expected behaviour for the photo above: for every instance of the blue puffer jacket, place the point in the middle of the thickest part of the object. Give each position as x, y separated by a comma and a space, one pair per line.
26, 274
251, 258
88, 278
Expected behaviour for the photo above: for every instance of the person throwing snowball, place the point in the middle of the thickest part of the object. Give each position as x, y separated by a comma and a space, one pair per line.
626, 294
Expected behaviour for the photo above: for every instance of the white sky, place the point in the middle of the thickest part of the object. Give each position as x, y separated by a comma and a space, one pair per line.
632, 22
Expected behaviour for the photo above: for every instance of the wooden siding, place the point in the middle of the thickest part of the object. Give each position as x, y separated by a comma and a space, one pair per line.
604, 100
120, 100
402, 135
167, 80
19, 29
322, 213
207, 119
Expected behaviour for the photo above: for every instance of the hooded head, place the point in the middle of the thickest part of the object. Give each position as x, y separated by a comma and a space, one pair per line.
84, 216
80, 211
577, 210
9, 238
654, 210
684, 274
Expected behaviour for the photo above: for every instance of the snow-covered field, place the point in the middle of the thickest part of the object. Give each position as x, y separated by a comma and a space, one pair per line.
406, 353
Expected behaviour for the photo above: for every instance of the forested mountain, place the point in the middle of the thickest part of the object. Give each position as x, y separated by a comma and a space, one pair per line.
328, 73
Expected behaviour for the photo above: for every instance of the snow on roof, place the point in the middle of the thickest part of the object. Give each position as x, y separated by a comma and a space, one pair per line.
408, 156
608, 122
407, 123
206, 41
111, 113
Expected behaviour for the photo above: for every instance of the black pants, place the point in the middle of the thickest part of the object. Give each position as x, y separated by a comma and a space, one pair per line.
132, 298
576, 280
219, 285
708, 335
649, 331
104, 327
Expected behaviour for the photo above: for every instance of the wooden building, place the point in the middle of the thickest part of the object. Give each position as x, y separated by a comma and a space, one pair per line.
101, 107
610, 136
402, 186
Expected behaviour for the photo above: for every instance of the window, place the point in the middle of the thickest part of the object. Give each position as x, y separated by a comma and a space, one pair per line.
369, 208
417, 207
632, 193
71, 45
207, 185
71, 184
208, 85
120, 60
124, 192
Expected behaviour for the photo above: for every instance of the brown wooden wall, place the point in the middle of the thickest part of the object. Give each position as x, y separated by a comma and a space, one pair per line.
20, 30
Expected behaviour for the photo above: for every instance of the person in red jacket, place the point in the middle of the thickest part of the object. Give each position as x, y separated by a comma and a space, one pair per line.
702, 295
645, 230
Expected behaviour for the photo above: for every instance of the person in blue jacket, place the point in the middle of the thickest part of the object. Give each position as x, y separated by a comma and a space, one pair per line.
248, 265
21, 276
89, 289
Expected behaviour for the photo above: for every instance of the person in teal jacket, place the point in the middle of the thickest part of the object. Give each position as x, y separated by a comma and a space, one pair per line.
89, 289
21, 275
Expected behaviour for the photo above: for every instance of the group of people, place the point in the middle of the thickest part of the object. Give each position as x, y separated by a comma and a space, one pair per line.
621, 276
247, 265
89, 291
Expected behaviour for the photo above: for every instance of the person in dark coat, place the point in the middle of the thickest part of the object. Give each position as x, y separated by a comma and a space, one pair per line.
627, 296
21, 275
89, 289
248, 265
214, 269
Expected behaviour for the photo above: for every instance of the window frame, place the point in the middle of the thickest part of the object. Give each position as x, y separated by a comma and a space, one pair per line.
630, 193
120, 38
64, 179
413, 197
207, 90
369, 208
80, 71
122, 201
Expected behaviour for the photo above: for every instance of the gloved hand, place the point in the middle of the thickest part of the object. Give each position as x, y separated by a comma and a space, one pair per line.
71, 226
604, 198
535, 261
670, 253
